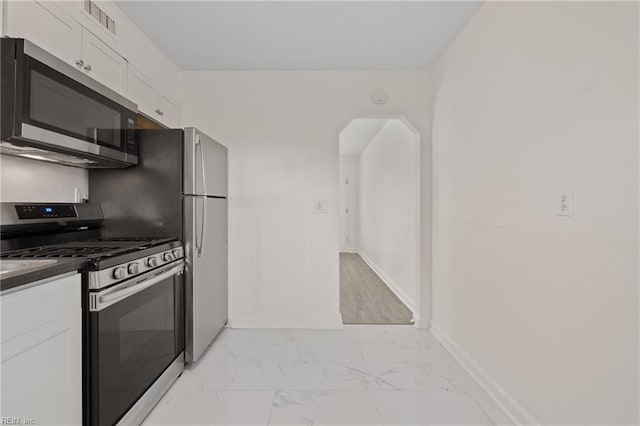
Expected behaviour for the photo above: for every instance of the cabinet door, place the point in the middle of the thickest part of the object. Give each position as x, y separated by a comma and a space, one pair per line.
46, 25
41, 373
141, 90
167, 110
103, 63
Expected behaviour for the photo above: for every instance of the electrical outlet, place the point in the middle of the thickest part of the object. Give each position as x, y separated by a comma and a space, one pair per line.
322, 207
565, 203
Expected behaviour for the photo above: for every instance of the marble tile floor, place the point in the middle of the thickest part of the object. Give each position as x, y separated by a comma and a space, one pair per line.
359, 375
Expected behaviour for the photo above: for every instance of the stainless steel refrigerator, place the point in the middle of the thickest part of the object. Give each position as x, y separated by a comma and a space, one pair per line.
178, 189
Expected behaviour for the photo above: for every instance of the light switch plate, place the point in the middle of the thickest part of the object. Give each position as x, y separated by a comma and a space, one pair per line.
322, 206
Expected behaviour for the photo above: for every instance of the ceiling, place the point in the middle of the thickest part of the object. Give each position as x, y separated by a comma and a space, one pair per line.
356, 136
301, 35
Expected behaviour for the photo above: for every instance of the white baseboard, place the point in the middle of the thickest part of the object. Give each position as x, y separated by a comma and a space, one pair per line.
404, 297
417, 323
512, 408
310, 323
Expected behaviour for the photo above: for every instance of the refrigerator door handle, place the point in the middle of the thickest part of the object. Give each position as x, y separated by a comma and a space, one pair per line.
195, 177
198, 244
202, 166
198, 145
203, 230
203, 224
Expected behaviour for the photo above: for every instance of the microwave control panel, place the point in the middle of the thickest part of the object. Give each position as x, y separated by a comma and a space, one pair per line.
130, 135
43, 211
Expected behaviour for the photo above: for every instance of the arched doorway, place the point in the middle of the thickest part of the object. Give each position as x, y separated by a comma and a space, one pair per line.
379, 221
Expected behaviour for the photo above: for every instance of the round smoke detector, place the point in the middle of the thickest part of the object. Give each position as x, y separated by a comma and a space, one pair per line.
378, 96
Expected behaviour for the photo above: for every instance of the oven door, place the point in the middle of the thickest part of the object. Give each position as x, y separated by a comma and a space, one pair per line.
136, 330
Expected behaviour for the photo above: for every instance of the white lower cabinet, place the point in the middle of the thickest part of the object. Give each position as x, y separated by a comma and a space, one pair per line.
41, 374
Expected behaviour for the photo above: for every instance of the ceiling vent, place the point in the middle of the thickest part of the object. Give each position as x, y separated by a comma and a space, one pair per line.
99, 15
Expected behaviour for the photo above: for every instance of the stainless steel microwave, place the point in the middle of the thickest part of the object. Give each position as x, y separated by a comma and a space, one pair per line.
51, 111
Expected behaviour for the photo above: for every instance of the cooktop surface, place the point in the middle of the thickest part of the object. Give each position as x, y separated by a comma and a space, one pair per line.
94, 249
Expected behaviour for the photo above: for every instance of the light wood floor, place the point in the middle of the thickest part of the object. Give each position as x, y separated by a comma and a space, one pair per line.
365, 298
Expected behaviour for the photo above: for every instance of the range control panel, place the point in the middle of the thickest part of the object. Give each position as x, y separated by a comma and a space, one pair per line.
43, 211
125, 271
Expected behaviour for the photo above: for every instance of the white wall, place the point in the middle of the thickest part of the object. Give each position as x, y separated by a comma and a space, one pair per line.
349, 198
32, 180
388, 234
533, 98
282, 130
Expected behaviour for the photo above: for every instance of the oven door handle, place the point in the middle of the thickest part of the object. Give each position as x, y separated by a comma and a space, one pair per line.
103, 299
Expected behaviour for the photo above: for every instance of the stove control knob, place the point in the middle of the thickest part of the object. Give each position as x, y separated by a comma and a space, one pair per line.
132, 268
177, 253
152, 262
168, 257
119, 273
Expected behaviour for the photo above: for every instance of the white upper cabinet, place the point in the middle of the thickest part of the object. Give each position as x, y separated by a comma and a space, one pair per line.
167, 111
103, 63
151, 100
52, 28
141, 89
111, 50
45, 24
101, 18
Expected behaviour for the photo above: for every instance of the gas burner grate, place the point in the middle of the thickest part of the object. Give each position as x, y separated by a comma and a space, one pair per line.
95, 250
131, 239
58, 251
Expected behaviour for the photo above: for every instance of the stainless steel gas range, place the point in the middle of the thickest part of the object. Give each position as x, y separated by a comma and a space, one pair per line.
133, 304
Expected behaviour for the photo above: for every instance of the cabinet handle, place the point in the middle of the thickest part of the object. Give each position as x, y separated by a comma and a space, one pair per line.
79, 63
87, 68
159, 111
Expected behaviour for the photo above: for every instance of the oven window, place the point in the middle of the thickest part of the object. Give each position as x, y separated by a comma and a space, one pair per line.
136, 341
60, 104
